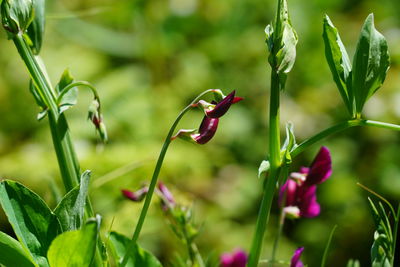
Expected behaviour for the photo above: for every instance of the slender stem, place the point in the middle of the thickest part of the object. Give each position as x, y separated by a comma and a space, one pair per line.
199, 259
278, 236
328, 244
156, 172
275, 162
395, 232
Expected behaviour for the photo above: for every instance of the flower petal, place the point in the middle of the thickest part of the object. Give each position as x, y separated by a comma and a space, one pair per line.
236, 259
321, 168
222, 107
207, 130
136, 196
308, 204
295, 261
289, 190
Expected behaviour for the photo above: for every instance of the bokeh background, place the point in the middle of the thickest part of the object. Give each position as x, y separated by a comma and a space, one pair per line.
148, 60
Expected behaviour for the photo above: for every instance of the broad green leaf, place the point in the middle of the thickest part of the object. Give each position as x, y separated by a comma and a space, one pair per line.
370, 64
36, 28
71, 209
12, 253
32, 220
137, 256
339, 62
264, 167
75, 248
71, 97
16, 15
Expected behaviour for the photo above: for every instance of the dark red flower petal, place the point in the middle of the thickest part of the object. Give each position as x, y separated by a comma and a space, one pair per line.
295, 261
321, 168
222, 107
207, 130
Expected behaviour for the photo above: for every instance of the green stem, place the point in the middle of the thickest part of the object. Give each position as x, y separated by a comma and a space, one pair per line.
156, 172
338, 128
395, 231
328, 244
199, 259
278, 236
275, 162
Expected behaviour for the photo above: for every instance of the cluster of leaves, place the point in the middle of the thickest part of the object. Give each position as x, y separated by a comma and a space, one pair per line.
370, 64
59, 237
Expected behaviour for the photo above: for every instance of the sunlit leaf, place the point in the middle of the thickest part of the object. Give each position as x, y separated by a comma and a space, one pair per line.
12, 253
36, 28
70, 98
75, 248
71, 209
339, 62
32, 220
137, 256
370, 64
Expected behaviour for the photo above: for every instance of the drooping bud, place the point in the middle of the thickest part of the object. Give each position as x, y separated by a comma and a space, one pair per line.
95, 116
166, 196
136, 196
16, 15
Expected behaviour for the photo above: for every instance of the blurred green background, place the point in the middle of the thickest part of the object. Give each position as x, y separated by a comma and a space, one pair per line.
148, 60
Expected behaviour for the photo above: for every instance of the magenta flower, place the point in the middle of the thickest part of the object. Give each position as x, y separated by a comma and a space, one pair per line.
296, 262
166, 196
301, 187
236, 259
136, 196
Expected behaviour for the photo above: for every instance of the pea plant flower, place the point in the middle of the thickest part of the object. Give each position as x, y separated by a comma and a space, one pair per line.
298, 194
295, 261
212, 112
238, 258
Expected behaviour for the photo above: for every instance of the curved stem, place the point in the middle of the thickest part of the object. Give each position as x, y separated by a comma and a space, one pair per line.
67, 88
156, 172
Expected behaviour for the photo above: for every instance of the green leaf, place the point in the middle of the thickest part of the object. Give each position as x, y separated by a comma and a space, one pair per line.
71, 209
16, 15
286, 56
137, 256
32, 220
12, 253
264, 167
370, 64
75, 248
36, 28
339, 62
70, 98
38, 100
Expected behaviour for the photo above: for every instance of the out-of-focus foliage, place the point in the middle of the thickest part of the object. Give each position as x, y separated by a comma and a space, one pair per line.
149, 59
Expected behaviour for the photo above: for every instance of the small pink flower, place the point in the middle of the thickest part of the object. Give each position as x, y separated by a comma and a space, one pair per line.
207, 130
236, 259
136, 196
301, 187
166, 196
217, 110
296, 262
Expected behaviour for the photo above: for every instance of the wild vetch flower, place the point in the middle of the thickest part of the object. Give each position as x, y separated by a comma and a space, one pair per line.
136, 196
301, 187
213, 111
97, 119
167, 199
217, 110
236, 259
295, 261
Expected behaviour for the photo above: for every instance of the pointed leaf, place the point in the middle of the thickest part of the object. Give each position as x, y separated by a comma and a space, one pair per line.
71, 209
36, 28
370, 64
75, 248
70, 98
32, 220
264, 168
137, 256
16, 15
339, 62
12, 253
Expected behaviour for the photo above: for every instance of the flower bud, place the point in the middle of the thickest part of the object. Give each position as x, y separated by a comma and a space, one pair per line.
136, 196
16, 15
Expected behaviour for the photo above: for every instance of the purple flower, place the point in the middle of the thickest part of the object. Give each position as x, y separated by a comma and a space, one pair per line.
236, 259
166, 195
136, 196
296, 262
301, 187
216, 110
207, 130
